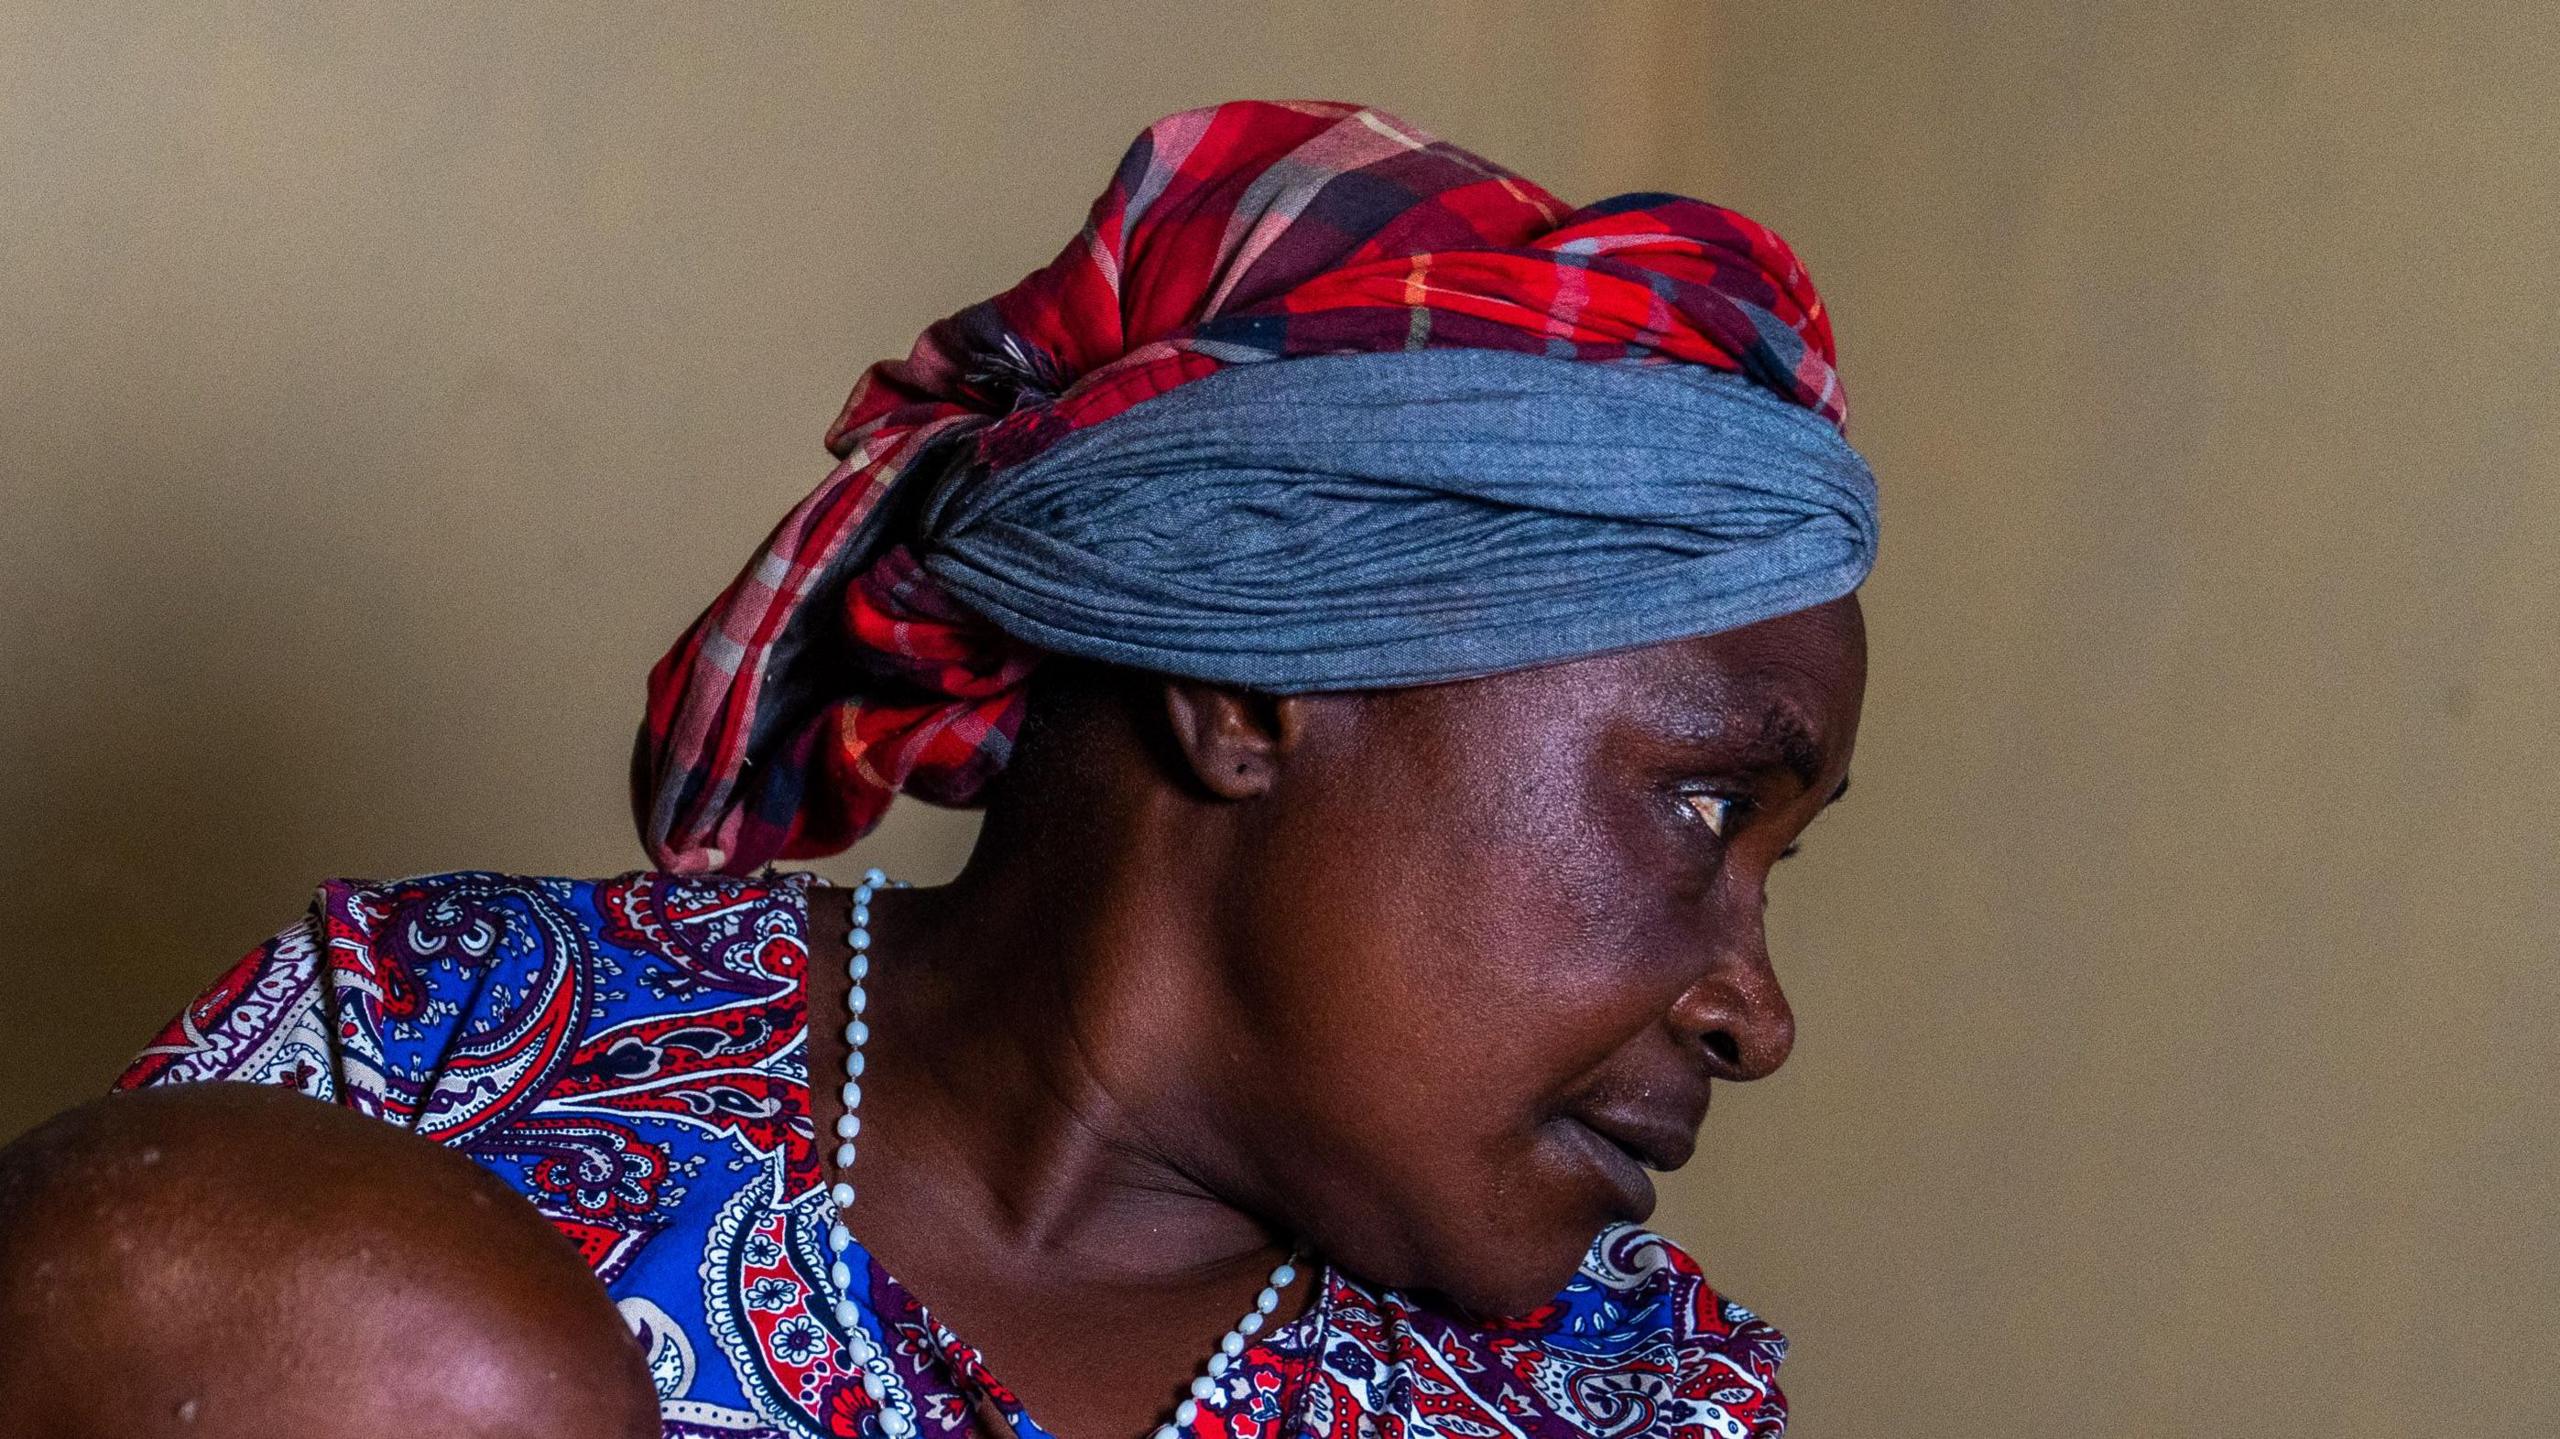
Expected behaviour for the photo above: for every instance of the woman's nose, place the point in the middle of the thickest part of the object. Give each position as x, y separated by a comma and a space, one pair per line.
1738, 1013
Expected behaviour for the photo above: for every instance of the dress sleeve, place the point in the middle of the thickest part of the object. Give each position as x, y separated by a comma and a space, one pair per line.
265, 1021
374, 996
449, 1004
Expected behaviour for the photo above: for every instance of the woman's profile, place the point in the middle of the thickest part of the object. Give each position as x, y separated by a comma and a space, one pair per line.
1393, 621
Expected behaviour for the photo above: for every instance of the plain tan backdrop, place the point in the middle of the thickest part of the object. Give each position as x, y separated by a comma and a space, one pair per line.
381, 389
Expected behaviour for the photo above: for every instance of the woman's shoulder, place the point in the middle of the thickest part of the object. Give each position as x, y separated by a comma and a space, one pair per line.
1638, 1341
472, 914
400, 971
670, 933
1635, 1285
1641, 1311
456, 926
631, 893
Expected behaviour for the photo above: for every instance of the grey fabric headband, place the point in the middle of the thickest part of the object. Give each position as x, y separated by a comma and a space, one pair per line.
1376, 520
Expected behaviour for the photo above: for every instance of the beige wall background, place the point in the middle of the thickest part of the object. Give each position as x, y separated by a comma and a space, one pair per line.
382, 387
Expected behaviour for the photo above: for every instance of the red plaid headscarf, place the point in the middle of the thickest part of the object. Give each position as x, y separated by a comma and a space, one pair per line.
833, 673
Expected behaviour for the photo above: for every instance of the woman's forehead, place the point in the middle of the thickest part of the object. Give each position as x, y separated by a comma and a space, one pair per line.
1808, 667
1786, 691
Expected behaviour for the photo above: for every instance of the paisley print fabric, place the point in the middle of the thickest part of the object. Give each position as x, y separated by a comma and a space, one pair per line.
631, 1055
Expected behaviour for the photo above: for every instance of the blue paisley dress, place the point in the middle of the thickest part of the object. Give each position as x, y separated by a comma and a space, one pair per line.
631, 1055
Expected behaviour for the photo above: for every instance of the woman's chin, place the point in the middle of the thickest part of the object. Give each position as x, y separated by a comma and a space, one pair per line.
1522, 1274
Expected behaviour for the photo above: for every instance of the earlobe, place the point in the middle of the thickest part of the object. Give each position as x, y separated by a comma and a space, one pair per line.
1233, 740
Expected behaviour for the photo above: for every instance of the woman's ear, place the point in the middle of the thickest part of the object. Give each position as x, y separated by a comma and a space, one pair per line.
1233, 740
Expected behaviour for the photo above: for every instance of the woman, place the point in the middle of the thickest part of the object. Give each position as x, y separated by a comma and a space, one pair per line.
1394, 623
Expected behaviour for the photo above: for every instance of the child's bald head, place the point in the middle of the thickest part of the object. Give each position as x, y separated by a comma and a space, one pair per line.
222, 1259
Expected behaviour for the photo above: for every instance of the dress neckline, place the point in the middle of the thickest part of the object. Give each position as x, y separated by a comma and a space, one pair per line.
960, 1360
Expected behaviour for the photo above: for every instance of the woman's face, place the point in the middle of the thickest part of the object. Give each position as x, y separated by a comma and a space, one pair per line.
1499, 937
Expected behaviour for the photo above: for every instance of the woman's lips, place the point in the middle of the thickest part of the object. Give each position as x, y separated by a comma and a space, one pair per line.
1631, 1187
1623, 1141
1658, 1140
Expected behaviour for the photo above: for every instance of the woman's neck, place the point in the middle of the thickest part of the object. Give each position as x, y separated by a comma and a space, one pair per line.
1033, 1143
1037, 1081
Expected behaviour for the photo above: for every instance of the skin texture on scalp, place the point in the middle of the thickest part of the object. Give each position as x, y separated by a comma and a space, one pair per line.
224, 1260
1425, 978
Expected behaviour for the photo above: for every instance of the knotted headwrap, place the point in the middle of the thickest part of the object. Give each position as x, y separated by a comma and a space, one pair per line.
1508, 433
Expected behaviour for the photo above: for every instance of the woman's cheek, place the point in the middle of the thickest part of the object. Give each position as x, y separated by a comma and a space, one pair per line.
1656, 950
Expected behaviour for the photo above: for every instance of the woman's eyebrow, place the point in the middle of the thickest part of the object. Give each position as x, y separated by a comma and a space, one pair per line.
1784, 733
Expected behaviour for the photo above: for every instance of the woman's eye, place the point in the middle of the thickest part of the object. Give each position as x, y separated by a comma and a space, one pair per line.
1717, 810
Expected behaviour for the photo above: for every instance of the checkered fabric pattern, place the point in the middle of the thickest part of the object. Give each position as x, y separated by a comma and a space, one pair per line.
833, 674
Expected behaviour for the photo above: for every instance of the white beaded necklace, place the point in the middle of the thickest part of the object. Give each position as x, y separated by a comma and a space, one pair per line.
879, 1380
